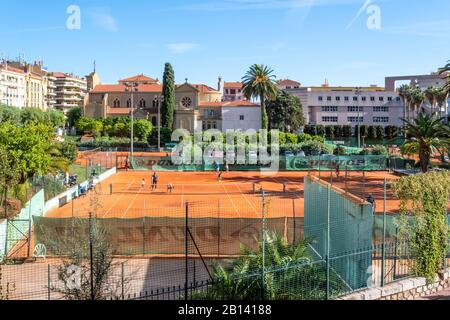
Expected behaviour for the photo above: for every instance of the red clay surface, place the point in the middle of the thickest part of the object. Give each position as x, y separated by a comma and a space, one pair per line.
233, 197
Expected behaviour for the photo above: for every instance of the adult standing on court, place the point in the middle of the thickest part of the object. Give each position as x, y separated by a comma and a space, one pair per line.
154, 182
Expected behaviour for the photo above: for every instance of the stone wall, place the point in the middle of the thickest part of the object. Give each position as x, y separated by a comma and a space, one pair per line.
407, 289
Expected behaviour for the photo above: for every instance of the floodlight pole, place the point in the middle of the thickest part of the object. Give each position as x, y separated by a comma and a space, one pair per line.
132, 88
358, 94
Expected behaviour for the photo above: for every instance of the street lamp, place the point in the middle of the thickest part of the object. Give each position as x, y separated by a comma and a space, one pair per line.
358, 94
159, 100
132, 88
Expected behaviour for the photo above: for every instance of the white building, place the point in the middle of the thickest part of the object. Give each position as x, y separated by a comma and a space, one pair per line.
230, 115
70, 91
12, 86
328, 105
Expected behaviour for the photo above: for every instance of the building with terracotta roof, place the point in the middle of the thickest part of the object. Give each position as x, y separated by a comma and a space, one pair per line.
193, 102
232, 91
288, 84
12, 86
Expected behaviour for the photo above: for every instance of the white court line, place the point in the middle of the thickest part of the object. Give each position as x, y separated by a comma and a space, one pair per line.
246, 199
131, 203
237, 211
118, 198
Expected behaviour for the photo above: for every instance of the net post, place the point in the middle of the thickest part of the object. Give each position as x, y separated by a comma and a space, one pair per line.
110, 189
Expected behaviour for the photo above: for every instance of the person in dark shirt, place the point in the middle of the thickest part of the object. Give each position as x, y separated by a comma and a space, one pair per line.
371, 200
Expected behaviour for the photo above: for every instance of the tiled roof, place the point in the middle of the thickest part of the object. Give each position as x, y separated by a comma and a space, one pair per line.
125, 111
107, 88
228, 104
288, 82
138, 78
203, 88
233, 85
12, 69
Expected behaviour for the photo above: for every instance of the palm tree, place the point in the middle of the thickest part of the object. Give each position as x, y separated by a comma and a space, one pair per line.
417, 99
259, 82
431, 95
405, 93
445, 70
441, 101
289, 267
426, 135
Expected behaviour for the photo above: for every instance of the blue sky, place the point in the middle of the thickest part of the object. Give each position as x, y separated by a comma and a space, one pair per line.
306, 40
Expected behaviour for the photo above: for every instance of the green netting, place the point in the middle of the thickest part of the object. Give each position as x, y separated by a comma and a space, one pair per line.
349, 225
329, 162
160, 235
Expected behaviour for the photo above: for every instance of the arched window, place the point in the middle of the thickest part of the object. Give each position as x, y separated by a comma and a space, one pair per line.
129, 103
154, 103
116, 103
142, 104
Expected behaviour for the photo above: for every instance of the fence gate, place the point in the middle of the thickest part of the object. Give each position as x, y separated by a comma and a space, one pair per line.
18, 242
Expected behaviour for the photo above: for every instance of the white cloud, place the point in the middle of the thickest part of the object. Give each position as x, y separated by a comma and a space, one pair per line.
102, 18
181, 47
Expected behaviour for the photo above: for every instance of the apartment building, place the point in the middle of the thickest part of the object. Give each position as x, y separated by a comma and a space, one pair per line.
232, 91
327, 105
12, 86
70, 91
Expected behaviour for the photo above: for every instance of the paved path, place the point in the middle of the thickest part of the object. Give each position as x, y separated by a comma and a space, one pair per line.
441, 295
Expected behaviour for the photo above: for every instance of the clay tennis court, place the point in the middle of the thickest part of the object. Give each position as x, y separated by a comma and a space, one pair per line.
236, 196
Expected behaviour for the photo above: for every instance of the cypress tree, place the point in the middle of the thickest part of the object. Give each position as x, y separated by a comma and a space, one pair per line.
168, 105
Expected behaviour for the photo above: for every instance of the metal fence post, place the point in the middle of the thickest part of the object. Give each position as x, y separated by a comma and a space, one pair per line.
186, 234
122, 279
91, 256
383, 248
263, 271
328, 241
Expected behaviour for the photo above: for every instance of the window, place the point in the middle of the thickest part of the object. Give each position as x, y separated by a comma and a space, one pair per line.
381, 119
116, 103
355, 119
355, 98
398, 99
347, 98
241, 117
355, 109
186, 102
142, 103
372, 98
389, 99
381, 99
233, 91
381, 109
338, 98
129, 103
330, 109
320, 98
330, 119
363, 98
329, 98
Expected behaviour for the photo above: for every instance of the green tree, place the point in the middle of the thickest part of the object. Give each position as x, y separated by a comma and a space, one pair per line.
142, 129
10, 114
380, 132
73, 115
405, 94
259, 82
372, 133
426, 135
285, 112
329, 132
340, 151
32, 115
168, 104
391, 132
426, 197
286, 265
417, 100
57, 118
445, 70
347, 131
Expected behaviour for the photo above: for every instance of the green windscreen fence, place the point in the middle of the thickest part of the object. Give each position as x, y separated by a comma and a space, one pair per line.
345, 223
161, 235
329, 162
